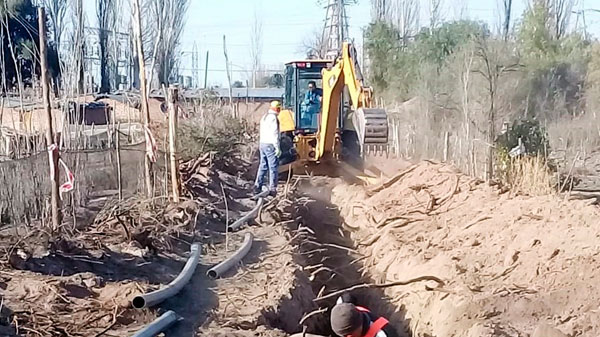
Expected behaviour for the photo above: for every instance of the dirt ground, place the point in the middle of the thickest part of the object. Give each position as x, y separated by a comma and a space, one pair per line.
82, 283
507, 264
512, 265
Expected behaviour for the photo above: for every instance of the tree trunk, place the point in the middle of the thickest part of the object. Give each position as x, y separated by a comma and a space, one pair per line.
490, 139
104, 75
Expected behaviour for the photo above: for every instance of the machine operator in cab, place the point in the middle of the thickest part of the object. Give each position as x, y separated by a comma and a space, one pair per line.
311, 106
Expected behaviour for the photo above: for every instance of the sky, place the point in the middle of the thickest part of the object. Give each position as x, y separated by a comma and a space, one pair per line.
287, 23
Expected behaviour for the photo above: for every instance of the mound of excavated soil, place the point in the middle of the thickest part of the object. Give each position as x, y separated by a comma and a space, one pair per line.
512, 265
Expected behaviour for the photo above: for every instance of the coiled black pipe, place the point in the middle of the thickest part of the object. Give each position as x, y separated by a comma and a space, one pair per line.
155, 297
224, 266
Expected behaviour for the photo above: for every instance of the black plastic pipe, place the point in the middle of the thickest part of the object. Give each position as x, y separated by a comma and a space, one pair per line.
231, 261
156, 297
252, 214
160, 324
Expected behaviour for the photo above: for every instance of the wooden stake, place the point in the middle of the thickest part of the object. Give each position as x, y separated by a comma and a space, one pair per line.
228, 77
446, 146
137, 23
118, 148
54, 169
173, 95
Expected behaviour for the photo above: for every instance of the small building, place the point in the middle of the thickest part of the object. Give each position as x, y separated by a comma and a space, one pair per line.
93, 113
250, 94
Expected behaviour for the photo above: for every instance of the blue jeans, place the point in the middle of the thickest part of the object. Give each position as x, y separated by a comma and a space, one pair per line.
269, 162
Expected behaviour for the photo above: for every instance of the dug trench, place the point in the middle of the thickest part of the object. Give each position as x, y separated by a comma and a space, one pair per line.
445, 255
330, 264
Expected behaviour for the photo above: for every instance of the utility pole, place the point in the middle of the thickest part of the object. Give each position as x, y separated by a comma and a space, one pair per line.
335, 31
206, 72
173, 95
195, 66
228, 77
137, 22
53, 150
581, 12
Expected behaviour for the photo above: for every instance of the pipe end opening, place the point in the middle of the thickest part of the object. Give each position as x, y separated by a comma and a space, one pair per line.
138, 302
212, 274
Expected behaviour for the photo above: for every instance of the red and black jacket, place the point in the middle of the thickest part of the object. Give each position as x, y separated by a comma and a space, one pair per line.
374, 324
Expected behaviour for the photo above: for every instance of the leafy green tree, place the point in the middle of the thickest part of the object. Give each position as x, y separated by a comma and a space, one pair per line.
437, 44
19, 26
555, 67
383, 47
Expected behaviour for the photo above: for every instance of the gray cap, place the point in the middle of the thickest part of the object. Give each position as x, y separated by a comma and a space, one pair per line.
345, 319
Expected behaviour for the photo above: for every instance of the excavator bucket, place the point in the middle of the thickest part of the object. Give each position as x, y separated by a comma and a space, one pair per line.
371, 127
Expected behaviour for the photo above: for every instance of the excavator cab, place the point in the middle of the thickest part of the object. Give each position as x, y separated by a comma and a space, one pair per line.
298, 75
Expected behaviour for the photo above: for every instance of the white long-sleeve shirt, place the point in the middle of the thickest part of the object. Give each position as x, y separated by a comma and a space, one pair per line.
269, 129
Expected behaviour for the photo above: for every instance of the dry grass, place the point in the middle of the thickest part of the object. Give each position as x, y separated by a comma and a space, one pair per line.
530, 176
213, 129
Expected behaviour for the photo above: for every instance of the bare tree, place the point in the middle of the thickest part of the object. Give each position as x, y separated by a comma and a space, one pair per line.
492, 68
314, 46
114, 52
165, 20
460, 9
379, 10
256, 45
558, 12
105, 12
78, 39
435, 13
562, 11
506, 13
406, 18
57, 9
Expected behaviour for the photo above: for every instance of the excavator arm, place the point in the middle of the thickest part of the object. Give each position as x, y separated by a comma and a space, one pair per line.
370, 124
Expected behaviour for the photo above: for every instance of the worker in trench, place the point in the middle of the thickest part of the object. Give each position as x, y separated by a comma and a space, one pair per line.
349, 319
269, 149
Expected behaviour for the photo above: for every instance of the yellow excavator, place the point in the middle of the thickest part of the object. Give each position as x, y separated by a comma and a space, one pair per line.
345, 123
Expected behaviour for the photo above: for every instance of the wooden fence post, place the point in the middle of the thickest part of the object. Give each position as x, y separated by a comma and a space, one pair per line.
137, 23
173, 97
53, 151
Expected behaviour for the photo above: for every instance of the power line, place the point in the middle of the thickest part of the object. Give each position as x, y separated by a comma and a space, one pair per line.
245, 71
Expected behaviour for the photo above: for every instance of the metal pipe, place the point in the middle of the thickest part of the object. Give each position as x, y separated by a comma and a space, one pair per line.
160, 324
224, 266
250, 215
156, 297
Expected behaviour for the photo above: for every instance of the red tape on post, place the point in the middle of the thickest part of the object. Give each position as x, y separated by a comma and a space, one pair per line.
70, 177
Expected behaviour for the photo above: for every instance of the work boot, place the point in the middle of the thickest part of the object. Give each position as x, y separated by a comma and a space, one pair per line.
273, 193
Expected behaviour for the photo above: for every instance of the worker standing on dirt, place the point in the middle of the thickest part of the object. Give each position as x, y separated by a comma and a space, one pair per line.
269, 149
349, 320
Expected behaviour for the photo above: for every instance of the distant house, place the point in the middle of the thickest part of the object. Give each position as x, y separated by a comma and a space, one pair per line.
93, 113
250, 94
